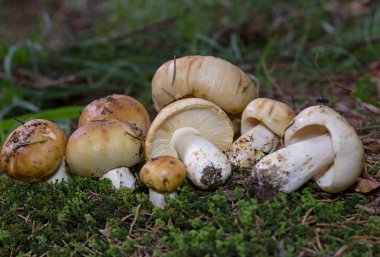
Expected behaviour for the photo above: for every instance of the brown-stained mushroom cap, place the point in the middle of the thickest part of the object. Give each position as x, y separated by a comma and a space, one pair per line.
275, 115
102, 145
33, 151
118, 107
205, 77
206, 118
164, 174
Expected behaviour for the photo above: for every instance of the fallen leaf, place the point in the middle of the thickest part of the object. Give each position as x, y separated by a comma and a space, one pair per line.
365, 185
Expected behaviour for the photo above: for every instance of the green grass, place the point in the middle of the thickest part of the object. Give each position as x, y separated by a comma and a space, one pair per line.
291, 45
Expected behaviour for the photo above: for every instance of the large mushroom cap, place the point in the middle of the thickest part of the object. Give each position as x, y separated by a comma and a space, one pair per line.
117, 107
347, 146
275, 115
205, 77
206, 118
99, 146
164, 174
34, 151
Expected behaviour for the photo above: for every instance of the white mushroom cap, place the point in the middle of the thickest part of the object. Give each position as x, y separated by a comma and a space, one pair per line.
347, 146
33, 151
100, 146
205, 77
117, 107
209, 121
275, 115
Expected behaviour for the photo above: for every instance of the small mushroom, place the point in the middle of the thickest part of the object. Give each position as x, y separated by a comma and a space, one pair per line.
263, 124
320, 144
104, 146
196, 131
206, 77
34, 151
117, 107
163, 175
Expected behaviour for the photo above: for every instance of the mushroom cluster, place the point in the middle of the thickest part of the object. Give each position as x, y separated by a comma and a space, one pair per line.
202, 102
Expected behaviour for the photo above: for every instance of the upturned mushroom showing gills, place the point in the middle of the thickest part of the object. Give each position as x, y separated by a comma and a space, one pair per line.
206, 77
34, 151
117, 107
196, 131
105, 148
262, 125
320, 144
163, 175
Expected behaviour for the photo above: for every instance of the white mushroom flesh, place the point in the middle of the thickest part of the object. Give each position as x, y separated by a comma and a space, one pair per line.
289, 168
252, 146
120, 177
207, 166
158, 199
60, 175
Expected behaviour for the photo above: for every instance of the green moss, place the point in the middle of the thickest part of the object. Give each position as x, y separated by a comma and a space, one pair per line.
87, 217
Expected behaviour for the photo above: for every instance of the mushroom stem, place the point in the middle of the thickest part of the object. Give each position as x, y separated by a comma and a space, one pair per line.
207, 167
252, 146
158, 199
289, 168
120, 177
60, 175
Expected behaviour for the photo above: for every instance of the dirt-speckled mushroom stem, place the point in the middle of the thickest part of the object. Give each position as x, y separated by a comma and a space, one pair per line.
207, 167
158, 199
120, 177
250, 147
289, 168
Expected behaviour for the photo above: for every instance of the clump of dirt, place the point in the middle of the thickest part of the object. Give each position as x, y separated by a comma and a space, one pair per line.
261, 186
212, 177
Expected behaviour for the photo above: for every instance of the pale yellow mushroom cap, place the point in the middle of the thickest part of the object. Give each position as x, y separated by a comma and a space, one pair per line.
205, 77
33, 151
347, 146
99, 146
164, 174
117, 107
275, 115
206, 118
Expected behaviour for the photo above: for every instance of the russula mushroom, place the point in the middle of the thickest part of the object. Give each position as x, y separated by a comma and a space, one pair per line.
320, 144
117, 107
163, 175
104, 146
33, 151
196, 131
206, 77
262, 126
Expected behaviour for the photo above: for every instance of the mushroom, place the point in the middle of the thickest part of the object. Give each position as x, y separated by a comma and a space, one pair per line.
320, 144
117, 107
263, 124
105, 149
206, 77
34, 151
196, 131
163, 175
